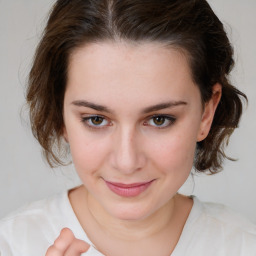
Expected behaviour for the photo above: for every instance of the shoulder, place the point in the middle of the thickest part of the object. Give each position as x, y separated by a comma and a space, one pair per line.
222, 228
42, 210
32, 226
228, 219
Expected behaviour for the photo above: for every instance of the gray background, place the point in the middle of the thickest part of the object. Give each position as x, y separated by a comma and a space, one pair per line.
25, 177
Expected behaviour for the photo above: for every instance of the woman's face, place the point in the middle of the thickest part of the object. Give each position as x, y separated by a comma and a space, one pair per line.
132, 118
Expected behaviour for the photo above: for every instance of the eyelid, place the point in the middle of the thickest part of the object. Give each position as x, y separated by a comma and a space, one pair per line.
170, 118
85, 119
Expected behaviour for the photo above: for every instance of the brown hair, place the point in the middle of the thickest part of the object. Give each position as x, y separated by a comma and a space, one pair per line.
189, 25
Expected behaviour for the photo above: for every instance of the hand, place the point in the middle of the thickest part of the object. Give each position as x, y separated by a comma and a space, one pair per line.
67, 245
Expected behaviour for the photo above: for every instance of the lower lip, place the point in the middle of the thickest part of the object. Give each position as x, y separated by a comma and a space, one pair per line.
128, 190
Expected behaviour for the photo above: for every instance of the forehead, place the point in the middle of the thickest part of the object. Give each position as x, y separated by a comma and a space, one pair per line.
102, 53
129, 70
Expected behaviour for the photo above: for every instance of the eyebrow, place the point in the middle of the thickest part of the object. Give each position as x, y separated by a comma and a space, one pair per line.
163, 106
87, 104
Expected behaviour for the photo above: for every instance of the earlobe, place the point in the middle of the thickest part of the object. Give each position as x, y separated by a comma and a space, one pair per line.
209, 111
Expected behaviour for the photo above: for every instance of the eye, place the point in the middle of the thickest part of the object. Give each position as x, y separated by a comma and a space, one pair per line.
160, 121
95, 121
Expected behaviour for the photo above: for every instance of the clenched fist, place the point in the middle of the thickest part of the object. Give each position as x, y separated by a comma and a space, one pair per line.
67, 245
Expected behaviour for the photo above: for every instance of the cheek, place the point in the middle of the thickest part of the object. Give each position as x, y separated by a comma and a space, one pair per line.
175, 153
87, 153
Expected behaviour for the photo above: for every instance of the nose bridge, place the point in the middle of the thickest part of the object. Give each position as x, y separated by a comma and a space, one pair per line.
128, 155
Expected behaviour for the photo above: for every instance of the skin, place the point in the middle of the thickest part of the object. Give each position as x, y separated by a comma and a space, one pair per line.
67, 244
127, 144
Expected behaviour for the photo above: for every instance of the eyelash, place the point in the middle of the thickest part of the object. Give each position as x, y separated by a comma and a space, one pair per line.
167, 118
88, 119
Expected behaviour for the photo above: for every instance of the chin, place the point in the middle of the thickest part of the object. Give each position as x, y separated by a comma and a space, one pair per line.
130, 212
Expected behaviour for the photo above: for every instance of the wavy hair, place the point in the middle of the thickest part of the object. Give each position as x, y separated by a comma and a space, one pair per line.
189, 25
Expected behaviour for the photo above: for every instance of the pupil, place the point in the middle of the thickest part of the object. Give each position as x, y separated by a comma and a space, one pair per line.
159, 120
97, 120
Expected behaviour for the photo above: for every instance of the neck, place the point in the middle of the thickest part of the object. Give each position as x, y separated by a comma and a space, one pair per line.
132, 230
157, 232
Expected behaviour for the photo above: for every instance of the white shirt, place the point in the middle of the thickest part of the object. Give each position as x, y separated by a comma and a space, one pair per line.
210, 229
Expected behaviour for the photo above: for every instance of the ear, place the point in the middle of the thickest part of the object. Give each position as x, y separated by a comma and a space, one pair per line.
209, 111
65, 134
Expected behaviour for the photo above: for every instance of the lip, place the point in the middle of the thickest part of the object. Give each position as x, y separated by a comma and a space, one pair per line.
128, 190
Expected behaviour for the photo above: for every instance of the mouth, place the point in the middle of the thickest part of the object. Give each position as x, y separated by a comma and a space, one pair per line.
128, 190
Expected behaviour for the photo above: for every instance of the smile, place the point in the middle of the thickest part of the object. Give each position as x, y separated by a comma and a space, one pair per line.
128, 190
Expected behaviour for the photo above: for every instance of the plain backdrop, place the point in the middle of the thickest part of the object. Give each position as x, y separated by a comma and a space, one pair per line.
24, 175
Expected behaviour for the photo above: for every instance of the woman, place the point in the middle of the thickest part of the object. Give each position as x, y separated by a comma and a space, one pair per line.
138, 91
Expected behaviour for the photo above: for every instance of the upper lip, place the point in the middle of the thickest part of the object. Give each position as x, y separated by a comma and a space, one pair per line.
130, 185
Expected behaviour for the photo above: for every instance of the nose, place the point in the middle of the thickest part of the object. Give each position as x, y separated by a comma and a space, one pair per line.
127, 152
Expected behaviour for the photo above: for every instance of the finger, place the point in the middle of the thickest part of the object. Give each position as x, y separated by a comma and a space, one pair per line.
64, 240
61, 244
76, 248
53, 251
